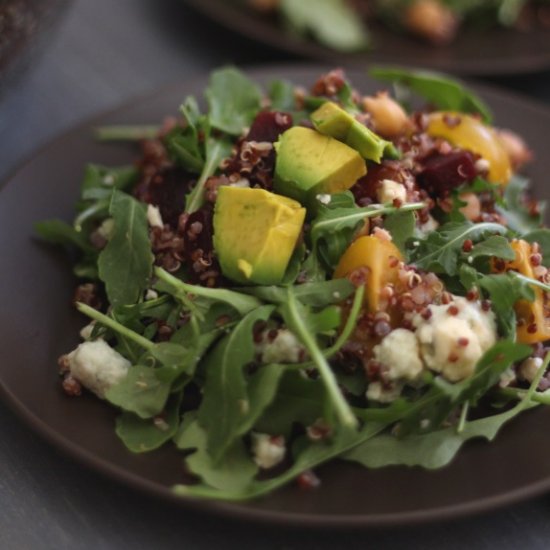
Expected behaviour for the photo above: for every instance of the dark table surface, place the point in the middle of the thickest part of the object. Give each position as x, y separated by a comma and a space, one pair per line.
105, 52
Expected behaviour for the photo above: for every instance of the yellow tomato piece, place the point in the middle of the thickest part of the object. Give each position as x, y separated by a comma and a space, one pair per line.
471, 134
533, 325
378, 256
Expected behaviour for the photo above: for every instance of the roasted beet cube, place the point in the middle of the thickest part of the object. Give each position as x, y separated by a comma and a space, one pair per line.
442, 173
268, 126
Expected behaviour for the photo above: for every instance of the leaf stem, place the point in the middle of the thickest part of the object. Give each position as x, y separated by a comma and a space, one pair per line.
529, 280
463, 417
341, 406
125, 132
114, 325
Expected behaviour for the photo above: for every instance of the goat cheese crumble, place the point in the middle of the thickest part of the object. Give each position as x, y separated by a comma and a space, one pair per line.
97, 366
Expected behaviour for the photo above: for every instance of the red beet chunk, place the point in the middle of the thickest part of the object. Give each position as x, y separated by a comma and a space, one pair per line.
442, 173
167, 191
268, 126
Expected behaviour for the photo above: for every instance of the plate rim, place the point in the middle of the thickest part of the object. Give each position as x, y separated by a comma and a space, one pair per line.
226, 509
220, 12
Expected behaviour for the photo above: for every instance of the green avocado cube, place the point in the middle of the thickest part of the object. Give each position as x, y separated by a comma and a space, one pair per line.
309, 164
255, 234
332, 120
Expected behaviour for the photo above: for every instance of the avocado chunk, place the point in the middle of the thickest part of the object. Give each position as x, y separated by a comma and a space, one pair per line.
309, 164
332, 120
255, 234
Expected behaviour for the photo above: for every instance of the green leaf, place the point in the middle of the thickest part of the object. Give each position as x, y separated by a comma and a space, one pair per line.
320, 294
61, 233
333, 228
401, 226
493, 247
442, 91
108, 178
217, 149
441, 250
233, 474
226, 405
542, 238
487, 373
332, 22
431, 450
140, 392
281, 94
505, 290
233, 100
298, 319
186, 292
143, 435
125, 263
299, 400
518, 216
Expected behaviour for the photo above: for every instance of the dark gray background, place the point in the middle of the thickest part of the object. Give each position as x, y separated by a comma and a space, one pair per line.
105, 52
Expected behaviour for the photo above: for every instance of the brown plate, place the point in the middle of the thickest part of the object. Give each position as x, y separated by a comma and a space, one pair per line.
37, 324
494, 51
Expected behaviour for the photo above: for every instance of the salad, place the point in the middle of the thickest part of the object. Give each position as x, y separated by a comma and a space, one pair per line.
290, 276
343, 24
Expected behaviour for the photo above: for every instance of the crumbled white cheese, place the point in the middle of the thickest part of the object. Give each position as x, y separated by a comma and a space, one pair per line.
453, 344
151, 294
242, 182
399, 353
482, 165
268, 451
97, 366
153, 216
390, 190
324, 198
86, 332
105, 230
283, 348
428, 226
528, 369
377, 392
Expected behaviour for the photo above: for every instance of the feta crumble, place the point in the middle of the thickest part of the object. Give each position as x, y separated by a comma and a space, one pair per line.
400, 354
97, 366
153, 216
284, 347
324, 198
452, 344
267, 450
391, 190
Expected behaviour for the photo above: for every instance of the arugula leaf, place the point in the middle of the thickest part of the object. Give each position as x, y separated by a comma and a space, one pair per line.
140, 392
335, 224
226, 409
97, 177
185, 291
233, 474
441, 250
126, 132
332, 22
233, 100
298, 400
319, 294
442, 91
493, 247
298, 319
143, 435
516, 213
437, 449
430, 450
505, 290
487, 373
308, 455
542, 237
125, 263
401, 225
61, 233
281, 94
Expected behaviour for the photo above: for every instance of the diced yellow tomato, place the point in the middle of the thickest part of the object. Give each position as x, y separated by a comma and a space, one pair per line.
379, 257
471, 134
533, 325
